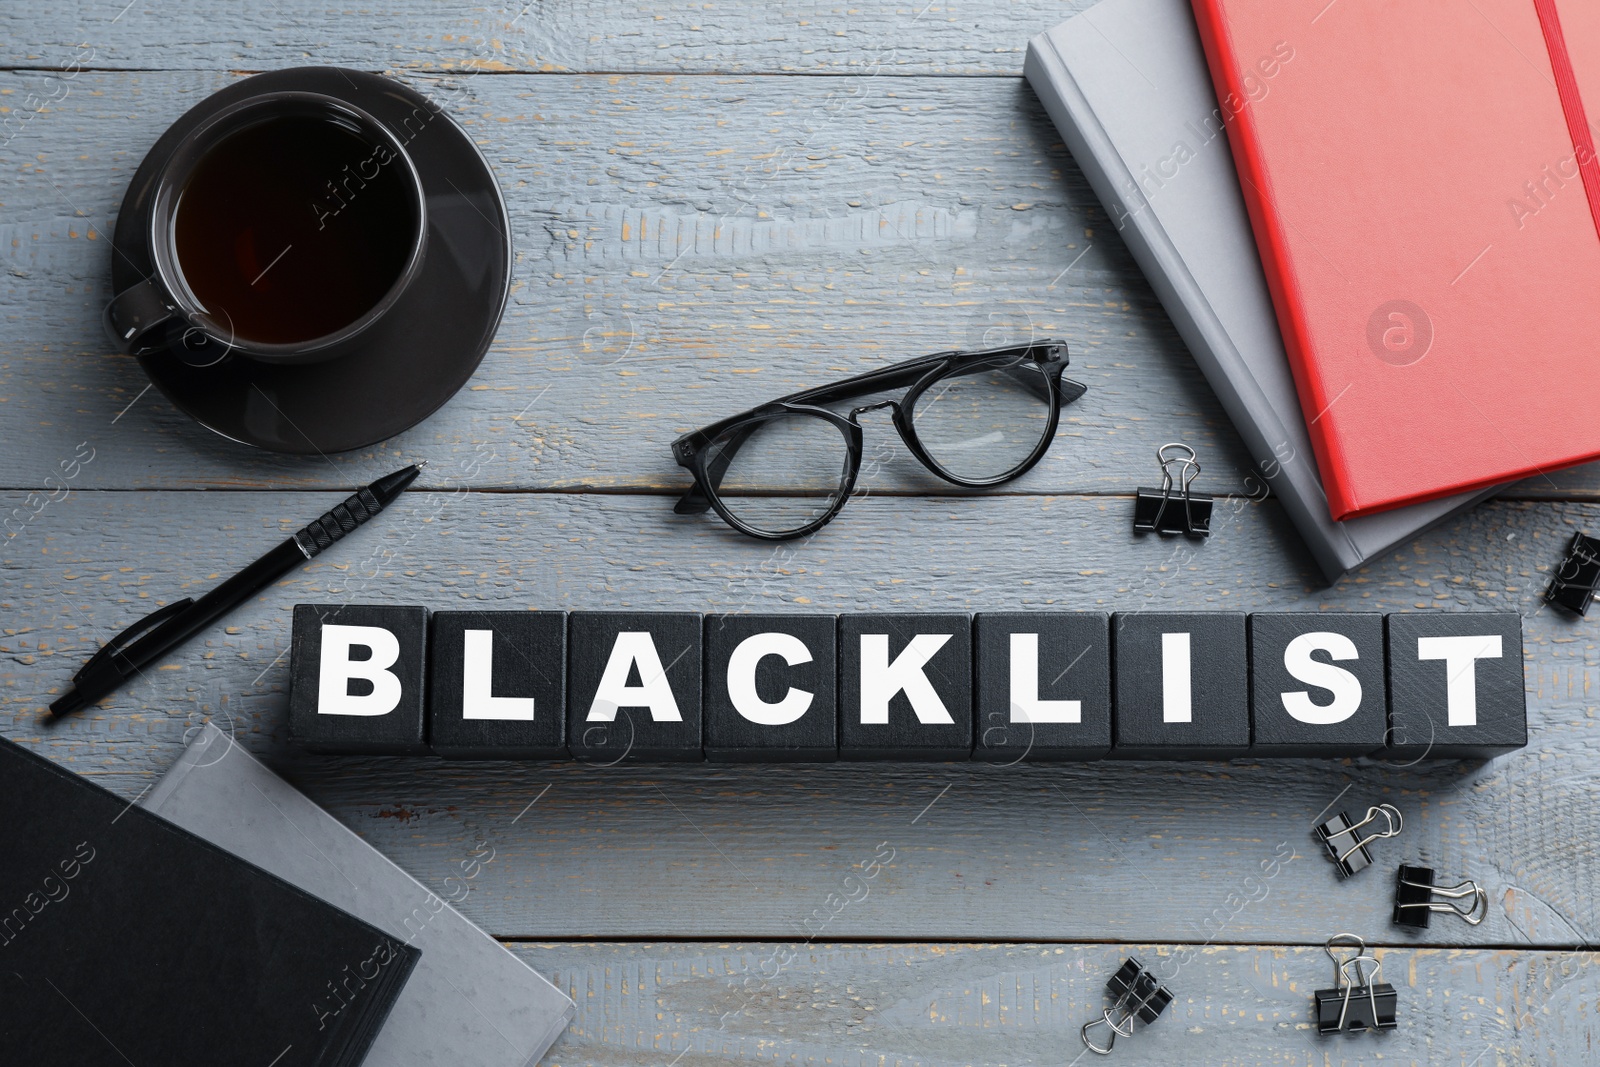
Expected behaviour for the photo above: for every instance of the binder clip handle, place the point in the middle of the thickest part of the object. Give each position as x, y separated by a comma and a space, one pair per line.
1415, 898
1188, 461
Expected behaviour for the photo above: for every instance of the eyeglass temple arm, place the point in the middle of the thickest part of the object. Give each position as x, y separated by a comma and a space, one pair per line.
695, 501
908, 374
873, 381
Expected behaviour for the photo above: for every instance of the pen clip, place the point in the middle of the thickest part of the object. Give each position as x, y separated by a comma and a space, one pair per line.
118, 644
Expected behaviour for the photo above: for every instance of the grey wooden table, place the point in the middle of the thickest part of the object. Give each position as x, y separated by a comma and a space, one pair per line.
713, 204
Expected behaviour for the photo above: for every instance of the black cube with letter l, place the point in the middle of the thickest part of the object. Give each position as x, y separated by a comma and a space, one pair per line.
1317, 684
497, 685
1042, 681
633, 687
771, 688
1182, 686
905, 687
1455, 685
356, 676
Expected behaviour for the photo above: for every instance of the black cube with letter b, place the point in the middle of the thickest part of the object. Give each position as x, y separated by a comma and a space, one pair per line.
1317, 684
356, 675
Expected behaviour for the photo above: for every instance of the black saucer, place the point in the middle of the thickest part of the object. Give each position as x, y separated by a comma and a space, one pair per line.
408, 363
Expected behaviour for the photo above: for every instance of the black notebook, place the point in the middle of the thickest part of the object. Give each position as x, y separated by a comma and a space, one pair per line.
126, 940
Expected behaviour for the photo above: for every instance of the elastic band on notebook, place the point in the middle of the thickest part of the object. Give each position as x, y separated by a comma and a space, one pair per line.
1571, 105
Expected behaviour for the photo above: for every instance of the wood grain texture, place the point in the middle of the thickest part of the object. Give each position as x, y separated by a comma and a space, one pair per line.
744, 36
918, 1004
1131, 851
667, 275
698, 230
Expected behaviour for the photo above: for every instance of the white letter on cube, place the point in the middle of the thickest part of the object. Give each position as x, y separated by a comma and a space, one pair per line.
333, 683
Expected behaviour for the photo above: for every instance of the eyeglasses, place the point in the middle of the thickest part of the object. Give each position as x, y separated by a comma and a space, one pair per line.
786, 468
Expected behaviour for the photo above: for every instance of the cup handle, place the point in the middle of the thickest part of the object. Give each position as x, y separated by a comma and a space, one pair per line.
134, 313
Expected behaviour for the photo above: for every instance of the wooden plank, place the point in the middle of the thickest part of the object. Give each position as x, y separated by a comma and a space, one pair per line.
700, 277
1025, 1003
744, 36
668, 276
1131, 852
854, 223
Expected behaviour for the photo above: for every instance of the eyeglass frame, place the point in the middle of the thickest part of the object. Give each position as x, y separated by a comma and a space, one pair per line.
917, 375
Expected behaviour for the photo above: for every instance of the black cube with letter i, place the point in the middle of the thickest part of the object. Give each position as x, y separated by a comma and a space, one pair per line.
497, 685
1182, 686
356, 679
1455, 685
1317, 684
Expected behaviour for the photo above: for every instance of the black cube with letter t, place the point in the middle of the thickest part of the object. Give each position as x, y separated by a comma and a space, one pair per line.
356, 675
497, 685
1182, 686
771, 688
905, 687
1317, 684
1455, 685
1042, 681
633, 687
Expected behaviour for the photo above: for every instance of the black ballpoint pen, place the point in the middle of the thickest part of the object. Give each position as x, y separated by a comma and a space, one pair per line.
164, 629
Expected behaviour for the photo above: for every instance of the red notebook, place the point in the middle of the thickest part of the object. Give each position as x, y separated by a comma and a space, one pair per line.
1424, 191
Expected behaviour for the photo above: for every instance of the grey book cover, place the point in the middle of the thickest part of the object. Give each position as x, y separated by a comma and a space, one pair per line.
1126, 84
468, 1000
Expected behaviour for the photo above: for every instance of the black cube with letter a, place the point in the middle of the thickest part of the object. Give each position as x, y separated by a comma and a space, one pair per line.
633, 687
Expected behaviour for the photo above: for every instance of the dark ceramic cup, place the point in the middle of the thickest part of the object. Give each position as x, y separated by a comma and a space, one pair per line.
281, 230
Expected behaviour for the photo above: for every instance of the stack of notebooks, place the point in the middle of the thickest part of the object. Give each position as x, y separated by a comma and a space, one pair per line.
226, 918
1396, 301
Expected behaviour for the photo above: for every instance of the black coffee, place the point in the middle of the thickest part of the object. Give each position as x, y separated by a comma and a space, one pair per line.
293, 228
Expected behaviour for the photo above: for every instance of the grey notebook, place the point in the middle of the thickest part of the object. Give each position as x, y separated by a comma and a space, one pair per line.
1127, 87
467, 1001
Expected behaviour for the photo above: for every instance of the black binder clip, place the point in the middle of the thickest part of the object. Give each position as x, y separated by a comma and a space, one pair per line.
1358, 1001
1346, 847
1414, 902
1577, 580
1137, 995
1163, 512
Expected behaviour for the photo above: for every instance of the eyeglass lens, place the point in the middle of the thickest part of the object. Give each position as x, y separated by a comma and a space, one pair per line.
985, 422
782, 473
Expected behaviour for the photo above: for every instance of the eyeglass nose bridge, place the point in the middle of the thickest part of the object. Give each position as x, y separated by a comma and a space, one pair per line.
893, 405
